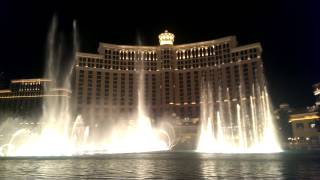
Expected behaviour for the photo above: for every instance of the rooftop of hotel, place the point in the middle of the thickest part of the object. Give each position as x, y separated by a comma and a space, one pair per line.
167, 39
30, 80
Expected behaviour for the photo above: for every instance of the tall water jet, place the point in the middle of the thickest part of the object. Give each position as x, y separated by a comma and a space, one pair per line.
53, 137
60, 133
242, 125
140, 136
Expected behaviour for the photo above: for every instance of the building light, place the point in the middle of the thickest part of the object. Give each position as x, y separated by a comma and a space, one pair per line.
166, 38
304, 118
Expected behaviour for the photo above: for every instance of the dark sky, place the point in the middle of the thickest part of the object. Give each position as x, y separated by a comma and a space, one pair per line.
288, 31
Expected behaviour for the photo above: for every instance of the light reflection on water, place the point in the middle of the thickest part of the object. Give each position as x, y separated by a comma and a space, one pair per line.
246, 169
165, 166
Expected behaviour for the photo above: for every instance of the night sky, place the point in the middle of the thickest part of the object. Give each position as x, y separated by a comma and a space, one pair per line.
288, 30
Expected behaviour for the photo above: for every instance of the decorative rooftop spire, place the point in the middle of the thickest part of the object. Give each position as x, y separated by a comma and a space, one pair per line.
166, 38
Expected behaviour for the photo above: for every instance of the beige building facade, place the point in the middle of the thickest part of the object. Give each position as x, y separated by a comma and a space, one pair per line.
106, 83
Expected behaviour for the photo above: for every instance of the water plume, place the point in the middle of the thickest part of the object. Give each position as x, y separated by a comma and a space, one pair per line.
60, 133
243, 125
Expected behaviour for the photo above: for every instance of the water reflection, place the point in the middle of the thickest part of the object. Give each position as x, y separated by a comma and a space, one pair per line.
244, 169
165, 166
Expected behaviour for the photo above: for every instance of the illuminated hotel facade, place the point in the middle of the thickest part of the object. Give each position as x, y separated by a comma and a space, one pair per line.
106, 83
24, 98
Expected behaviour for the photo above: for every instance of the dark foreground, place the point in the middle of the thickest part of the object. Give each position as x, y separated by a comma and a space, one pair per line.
166, 165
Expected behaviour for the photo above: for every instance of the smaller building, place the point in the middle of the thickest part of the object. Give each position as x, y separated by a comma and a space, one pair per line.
284, 129
24, 98
305, 125
21, 105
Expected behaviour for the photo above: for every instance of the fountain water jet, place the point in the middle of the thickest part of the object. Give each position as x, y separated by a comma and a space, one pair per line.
243, 131
141, 136
60, 134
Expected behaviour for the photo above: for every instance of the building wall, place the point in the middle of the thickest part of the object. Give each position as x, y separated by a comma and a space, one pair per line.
304, 129
24, 98
305, 125
283, 126
106, 83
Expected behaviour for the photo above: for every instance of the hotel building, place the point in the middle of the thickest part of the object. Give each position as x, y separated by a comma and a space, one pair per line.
24, 98
305, 123
106, 82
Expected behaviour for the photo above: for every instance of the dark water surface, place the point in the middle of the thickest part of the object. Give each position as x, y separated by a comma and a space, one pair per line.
166, 165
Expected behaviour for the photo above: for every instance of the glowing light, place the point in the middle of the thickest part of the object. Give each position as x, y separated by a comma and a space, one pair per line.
5, 91
166, 38
58, 134
221, 134
304, 118
140, 137
30, 80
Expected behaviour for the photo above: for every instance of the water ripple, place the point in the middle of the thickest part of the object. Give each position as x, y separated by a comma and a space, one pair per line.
164, 166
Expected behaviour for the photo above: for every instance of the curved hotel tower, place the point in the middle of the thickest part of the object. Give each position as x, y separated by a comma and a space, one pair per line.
106, 82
